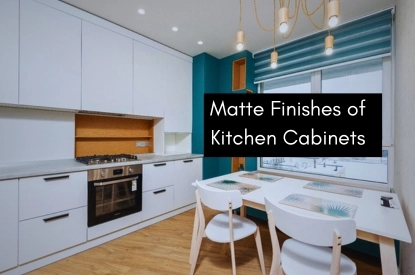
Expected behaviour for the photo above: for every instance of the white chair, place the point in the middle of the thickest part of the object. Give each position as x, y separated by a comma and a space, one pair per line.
309, 249
225, 227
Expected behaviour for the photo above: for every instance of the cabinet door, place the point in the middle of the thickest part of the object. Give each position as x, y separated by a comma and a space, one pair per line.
9, 51
178, 97
50, 57
157, 175
107, 70
157, 202
149, 83
186, 172
8, 224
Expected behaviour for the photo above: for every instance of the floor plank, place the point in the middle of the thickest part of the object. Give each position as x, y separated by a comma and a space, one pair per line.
163, 248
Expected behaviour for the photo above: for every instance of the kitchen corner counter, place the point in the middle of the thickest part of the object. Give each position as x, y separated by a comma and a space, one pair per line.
16, 170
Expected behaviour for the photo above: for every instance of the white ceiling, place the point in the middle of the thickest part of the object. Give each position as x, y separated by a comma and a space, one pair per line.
215, 22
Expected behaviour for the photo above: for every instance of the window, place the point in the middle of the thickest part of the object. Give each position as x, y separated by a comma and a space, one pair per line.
366, 76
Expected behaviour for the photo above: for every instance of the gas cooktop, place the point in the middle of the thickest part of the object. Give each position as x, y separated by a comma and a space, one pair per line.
104, 159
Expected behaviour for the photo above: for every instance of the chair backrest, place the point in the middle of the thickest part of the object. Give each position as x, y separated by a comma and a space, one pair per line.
219, 199
310, 229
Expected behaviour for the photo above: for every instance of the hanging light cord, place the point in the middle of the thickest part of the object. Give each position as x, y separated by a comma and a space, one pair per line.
259, 23
240, 15
275, 39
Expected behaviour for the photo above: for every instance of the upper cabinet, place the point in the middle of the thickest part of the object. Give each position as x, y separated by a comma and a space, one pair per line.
9, 51
107, 70
50, 57
149, 84
178, 95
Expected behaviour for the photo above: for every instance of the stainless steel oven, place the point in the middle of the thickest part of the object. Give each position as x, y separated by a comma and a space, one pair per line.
114, 193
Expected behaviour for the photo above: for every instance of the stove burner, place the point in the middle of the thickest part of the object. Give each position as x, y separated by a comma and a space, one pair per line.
103, 159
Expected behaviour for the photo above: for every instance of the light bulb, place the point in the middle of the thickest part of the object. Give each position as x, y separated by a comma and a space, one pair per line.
274, 59
283, 27
333, 21
273, 65
239, 46
329, 51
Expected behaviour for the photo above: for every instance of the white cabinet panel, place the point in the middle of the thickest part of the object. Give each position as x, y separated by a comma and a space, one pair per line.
49, 234
107, 70
157, 175
9, 51
149, 83
49, 194
50, 57
157, 202
178, 98
8, 223
186, 172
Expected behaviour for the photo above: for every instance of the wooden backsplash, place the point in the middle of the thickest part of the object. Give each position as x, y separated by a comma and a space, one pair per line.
100, 135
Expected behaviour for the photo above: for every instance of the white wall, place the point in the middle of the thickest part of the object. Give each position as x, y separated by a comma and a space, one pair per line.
405, 124
30, 135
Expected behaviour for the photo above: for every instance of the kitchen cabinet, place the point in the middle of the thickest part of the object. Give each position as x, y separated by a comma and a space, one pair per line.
107, 70
149, 83
9, 223
50, 57
158, 181
178, 96
186, 172
9, 51
52, 211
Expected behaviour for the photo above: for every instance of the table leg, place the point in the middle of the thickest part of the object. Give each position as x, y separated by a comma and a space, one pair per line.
242, 210
388, 256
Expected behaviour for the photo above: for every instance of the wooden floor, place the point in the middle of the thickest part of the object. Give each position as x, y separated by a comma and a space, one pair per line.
163, 248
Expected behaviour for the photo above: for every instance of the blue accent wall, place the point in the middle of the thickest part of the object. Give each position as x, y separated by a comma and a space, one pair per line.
212, 75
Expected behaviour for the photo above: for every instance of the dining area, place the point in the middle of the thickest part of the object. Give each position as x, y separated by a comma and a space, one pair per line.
317, 219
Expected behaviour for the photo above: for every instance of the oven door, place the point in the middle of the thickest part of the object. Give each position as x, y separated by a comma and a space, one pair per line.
114, 198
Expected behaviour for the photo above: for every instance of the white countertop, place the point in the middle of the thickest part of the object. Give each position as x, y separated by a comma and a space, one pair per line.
14, 170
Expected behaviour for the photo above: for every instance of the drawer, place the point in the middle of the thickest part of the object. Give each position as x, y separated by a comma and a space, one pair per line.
39, 196
157, 175
48, 234
157, 202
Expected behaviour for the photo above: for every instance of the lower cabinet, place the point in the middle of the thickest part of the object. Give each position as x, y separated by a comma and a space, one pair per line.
157, 202
186, 172
48, 234
8, 224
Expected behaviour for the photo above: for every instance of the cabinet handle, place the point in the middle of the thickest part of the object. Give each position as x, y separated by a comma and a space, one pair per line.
188, 160
159, 164
56, 178
159, 191
56, 218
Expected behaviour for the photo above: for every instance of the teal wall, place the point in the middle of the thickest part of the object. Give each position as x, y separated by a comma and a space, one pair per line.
212, 75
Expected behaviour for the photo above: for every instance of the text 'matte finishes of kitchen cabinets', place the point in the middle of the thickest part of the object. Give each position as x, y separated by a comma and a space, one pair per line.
263, 125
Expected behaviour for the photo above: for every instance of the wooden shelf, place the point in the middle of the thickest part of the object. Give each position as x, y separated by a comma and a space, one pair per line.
239, 74
100, 135
114, 137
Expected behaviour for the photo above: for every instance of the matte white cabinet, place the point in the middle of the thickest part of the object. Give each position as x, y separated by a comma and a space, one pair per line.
149, 82
9, 51
186, 172
178, 95
8, 223
107, 70
158, 175
50, 57
157, 202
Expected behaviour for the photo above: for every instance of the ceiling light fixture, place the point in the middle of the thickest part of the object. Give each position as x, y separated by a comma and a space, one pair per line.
141, 11
200, 42
321, 10
240, 36
175, 29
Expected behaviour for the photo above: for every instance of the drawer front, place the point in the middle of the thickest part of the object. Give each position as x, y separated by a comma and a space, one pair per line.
39, 196
157, 175
157, 202
51, 233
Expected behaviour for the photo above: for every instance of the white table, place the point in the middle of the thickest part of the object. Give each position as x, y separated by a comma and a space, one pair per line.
374, 222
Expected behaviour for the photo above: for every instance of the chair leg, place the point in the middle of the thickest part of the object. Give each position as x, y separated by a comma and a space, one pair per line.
259, 248
194, 235
233, 257
195, 252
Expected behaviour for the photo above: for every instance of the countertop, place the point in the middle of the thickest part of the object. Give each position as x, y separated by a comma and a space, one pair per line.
15, 170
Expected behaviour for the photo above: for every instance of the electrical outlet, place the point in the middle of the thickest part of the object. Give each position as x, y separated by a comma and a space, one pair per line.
141, 144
